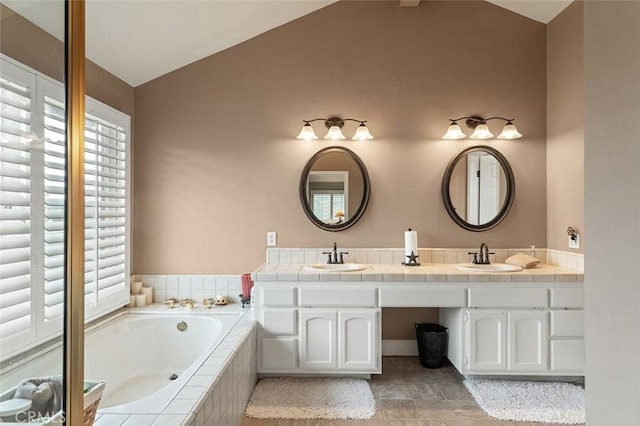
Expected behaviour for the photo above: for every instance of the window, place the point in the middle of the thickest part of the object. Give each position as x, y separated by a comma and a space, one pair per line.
32, 179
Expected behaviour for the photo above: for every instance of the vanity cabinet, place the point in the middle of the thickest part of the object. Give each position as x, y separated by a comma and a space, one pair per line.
519, 331
528, 327
318, 329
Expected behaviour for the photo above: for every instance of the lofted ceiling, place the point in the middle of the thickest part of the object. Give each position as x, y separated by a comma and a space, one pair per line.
139, 40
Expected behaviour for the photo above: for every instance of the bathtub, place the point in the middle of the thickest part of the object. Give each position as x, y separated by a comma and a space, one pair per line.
144, 359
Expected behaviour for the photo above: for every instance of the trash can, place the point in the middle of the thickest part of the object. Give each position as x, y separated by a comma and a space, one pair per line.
432, 344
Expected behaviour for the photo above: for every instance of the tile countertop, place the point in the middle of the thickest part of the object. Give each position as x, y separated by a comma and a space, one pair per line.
430, 272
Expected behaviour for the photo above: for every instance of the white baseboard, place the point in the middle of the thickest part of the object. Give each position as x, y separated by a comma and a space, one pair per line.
399, 348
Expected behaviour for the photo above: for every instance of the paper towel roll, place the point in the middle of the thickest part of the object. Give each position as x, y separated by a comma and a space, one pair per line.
148, 292
410, 243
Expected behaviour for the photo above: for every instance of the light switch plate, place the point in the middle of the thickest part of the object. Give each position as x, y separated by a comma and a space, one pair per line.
574, 244
271, 239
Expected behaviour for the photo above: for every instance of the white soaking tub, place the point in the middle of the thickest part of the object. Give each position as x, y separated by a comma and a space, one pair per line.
143, 359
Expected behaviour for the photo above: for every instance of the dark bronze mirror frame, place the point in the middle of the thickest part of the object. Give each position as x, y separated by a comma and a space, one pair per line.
509, 196
303, 190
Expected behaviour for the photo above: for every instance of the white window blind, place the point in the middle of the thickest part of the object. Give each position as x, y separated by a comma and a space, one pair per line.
32, 197
16, 128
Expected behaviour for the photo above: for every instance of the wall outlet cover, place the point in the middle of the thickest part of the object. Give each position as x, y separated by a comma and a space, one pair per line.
271, 239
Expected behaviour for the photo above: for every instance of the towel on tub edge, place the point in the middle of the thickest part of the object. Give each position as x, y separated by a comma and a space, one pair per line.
45, 394
523, 260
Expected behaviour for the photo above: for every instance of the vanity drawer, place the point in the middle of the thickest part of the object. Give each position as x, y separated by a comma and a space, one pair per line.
278, 321
423, 297
278, 296
508, 298
567, 298
339, 296
567, 323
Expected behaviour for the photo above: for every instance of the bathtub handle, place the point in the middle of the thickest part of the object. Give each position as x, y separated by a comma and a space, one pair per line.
208, 303
171, 302
188, 303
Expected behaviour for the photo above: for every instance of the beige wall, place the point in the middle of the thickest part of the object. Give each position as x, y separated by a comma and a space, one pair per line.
565, 127
612, 211
30, 45
217, 162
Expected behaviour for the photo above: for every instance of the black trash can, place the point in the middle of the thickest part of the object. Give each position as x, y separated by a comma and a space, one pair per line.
432, 344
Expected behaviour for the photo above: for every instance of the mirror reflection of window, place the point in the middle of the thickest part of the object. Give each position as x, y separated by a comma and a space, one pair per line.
327, 195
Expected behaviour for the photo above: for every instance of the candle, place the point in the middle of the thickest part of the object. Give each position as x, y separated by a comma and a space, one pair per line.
136, 286
132, 301
148, 292
141, 300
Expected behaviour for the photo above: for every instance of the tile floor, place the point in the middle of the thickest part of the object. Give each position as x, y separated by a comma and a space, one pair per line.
408, 394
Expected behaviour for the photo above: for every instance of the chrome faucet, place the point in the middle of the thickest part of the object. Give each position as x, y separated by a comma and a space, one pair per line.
482, 257
335, 253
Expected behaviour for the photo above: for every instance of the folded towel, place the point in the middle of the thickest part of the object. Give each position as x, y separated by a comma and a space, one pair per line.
523, 260
44, 392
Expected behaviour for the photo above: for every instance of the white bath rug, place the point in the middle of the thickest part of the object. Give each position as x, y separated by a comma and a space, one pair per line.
311, 398
527, 401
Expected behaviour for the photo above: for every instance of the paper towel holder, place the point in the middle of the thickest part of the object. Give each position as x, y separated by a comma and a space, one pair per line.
412, 259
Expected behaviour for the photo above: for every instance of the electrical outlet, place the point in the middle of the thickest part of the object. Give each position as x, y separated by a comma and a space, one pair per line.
271, 239
575, 242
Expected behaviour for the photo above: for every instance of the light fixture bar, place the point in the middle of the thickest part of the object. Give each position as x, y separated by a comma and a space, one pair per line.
335, 125
481, 130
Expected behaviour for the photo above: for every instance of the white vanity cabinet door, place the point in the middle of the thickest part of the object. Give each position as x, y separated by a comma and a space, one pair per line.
318, 339
528, 340
358, 331
278, 354
486, 340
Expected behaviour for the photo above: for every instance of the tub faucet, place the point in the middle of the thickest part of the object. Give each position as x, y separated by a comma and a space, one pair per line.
208, 303
188, 303
170, 302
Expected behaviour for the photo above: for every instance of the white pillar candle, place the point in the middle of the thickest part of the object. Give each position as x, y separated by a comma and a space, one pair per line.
132, 301
136, 286
410, 244
148, 292
141, 300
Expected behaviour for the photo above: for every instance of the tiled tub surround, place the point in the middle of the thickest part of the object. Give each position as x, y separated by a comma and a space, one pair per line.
218, 391
562, 259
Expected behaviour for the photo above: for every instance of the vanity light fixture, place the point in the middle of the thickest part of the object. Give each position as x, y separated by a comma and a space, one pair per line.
480, 128
334, 124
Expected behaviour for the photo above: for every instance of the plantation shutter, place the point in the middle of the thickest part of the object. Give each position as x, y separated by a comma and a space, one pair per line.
54, 198
106, 174
17, 91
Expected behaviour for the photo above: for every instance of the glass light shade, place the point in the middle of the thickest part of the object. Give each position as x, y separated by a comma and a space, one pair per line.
334, 134
481, 132
362, 133
307, 133
454, 132
509, 132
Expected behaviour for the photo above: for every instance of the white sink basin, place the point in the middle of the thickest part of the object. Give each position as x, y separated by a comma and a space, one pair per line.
336, 267
494, 267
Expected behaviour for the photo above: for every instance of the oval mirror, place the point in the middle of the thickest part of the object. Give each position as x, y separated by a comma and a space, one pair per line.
334, 188
478, 188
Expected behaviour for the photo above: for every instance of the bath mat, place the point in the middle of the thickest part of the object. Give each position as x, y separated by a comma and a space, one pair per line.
311, 398
527, 401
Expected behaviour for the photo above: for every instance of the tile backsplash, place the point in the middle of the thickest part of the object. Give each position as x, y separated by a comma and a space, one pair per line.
562, 259
196, 287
